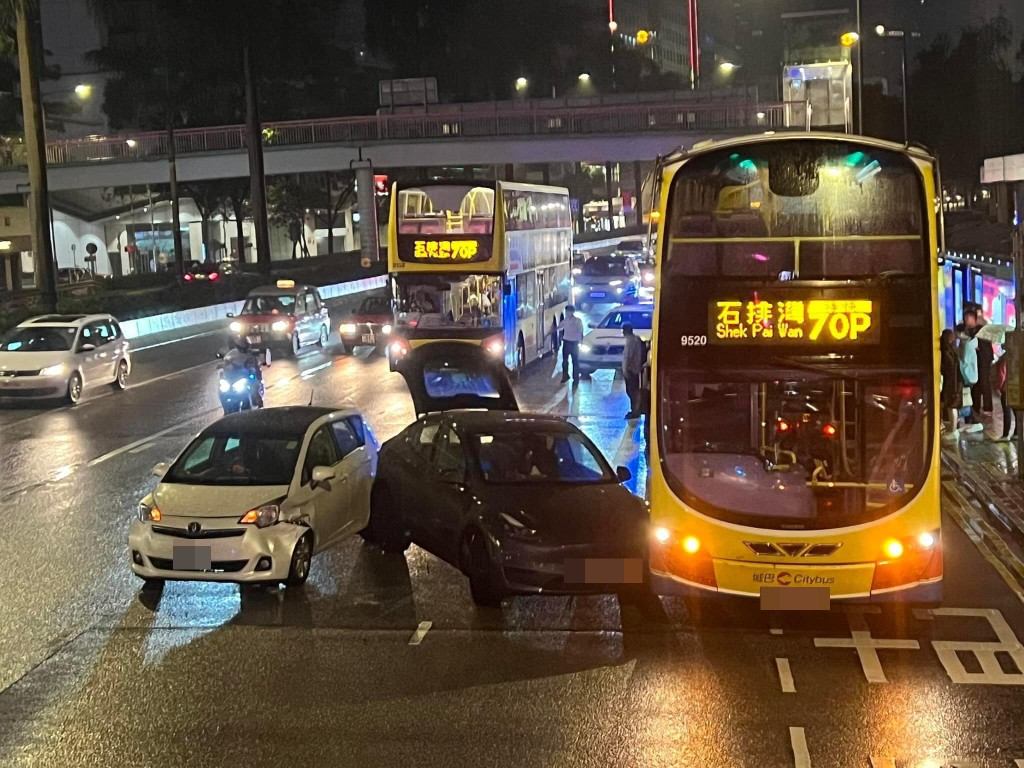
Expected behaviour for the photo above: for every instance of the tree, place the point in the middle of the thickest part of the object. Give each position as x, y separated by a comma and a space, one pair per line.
972, 77
236, 205
209, 198
581, 182
334, 200
289, 199
23, 15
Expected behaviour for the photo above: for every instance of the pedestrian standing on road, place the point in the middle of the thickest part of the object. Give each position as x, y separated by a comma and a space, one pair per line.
1000, 376
572, 334
981, 393
952, 390
633, 357
967, 352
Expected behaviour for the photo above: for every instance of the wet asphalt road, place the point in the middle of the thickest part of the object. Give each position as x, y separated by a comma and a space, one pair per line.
94, 673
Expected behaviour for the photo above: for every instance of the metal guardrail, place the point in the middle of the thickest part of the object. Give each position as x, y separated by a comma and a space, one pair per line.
628, 119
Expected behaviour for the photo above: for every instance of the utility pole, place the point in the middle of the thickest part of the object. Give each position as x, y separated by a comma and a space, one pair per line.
257, 173
172, 172
30, 53
860, 70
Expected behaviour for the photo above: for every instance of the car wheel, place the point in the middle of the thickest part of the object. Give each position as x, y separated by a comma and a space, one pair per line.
151, 584
554, 337
296, 344
324, 336
386, 528
74, 393
302, 558
121, 382
483, 584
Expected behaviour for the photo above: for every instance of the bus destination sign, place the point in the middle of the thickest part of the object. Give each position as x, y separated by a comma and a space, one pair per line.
451, 249
768, 320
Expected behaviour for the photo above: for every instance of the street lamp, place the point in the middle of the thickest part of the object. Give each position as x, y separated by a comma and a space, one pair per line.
728, 67
521, 83
901, 35
643, 36
83, 90
849, 39
584, 77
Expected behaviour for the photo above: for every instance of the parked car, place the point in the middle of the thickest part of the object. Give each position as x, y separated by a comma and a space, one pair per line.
62, 356
255, 496
604, 345
635, 248
522, 504
73, 275
196, 272
607, 280
370, 324
282, 317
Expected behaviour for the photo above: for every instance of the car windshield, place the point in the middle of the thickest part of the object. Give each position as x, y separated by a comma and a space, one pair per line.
638, 318
237, 458
539, 457
269, 305
375, 305
42, 339
606, 268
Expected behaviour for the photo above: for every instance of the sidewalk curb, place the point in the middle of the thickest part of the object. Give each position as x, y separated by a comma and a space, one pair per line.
966, 479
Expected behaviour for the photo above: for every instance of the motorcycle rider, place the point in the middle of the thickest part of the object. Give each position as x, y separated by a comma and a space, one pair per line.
243, 357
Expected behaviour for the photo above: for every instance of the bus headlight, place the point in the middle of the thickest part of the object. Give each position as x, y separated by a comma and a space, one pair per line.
662, 535
496, 347
893, 548
926, 540
691, 544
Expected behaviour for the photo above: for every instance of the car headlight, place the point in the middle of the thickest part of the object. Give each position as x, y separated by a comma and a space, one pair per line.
348, 329
280, 325
577, 289
240, 386
648, 277
53, 370
237, 327
386, 329
585, 348
149, 512
224, 386
262, 517
618, 290
613, 283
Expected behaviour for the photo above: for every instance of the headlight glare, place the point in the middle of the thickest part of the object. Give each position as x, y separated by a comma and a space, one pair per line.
240, 386
53, 370
262, 517
149, 512
280, 325
236, 327
348, 329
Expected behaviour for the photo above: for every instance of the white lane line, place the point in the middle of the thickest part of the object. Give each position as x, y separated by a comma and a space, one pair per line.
133, 350
785, 676
310, 372
143, 441
1019, 763
420, 633
883, 762
775, 631
141, 448
798, 741
627, 447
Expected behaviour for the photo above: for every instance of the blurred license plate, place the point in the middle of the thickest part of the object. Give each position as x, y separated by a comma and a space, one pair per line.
188, 558
367, 338
611, 570
597, 294
795, 598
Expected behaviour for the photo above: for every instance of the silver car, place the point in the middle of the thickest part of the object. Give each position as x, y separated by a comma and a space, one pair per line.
61, 356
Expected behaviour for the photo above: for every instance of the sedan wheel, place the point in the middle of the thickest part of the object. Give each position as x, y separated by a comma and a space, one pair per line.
385, 528
296, 345
302, 557
483, 585
324, 336
121, 382
74, 388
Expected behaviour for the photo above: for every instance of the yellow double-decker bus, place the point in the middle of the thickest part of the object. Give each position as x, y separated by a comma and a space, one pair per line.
482, 263
795, 447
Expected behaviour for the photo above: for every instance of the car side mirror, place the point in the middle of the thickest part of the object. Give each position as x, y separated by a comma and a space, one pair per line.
322, 477
161, 469
230, 314
623, 475
87, 347
220, 355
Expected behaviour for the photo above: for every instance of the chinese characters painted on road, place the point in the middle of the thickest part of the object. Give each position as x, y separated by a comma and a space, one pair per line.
765, 321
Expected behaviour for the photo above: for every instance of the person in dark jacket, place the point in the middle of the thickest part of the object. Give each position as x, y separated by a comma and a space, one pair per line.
952, 383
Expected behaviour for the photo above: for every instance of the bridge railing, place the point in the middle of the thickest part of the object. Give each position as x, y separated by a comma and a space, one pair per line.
628, 119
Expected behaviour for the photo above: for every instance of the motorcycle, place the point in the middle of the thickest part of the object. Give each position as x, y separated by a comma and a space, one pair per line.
240, 388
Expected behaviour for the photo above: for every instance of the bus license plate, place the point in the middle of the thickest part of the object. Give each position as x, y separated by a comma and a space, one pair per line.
597, 294
192, 558
367, 338
795, 599
610, 570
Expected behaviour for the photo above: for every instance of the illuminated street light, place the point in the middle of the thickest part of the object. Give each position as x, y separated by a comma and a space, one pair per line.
521, 83
849, 39
728, 67
613, 26
584, 77
880, 30
131, 143
83, 90
643, 36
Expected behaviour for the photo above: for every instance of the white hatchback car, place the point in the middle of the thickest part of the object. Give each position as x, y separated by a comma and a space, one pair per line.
60, 356
603, 346
255, 495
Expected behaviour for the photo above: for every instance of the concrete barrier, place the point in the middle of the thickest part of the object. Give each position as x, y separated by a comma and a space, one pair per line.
172, 321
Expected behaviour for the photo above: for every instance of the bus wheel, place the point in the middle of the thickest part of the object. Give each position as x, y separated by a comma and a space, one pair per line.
554, 338
520, 356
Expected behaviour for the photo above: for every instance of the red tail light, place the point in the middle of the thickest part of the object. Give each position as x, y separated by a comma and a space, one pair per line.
829, 431
214, 275
188, 278
783, 426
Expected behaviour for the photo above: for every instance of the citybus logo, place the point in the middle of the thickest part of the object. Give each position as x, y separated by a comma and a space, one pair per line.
784, 578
